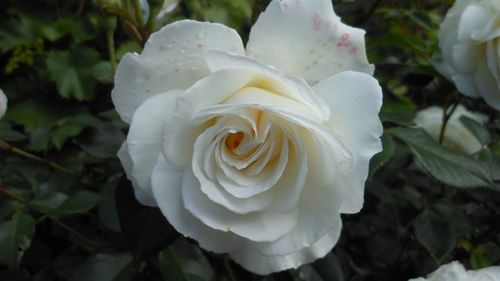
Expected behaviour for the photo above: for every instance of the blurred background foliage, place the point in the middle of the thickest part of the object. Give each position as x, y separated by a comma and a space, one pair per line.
67, 213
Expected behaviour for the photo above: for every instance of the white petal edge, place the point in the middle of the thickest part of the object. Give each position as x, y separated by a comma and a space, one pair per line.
167, 183
3, 103
141, 196
260, 264
173, 58
355, 100
327, 45
144, 136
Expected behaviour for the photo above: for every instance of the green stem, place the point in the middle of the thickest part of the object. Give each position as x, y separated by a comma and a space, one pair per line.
111, 49
75, 232
446, 117
229, 269
5, 146
12, 195
152, 22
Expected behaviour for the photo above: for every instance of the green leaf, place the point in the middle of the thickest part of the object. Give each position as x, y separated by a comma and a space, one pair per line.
103, 141
477, 129
107, 208
478, 258
102, 267
32, 115
443, 163
385, 155
182, 261
328, 268
15, 238
435, 234
145, 229
79, 203
7, 133
73, 72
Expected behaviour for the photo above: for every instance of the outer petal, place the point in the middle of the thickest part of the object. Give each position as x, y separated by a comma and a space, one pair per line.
488, 87
258, 226
318, 215
277, 81
491, 273
173, 58
3, 103
305, 38
355, 100
143, 197
144, 137
261, 264
167, 182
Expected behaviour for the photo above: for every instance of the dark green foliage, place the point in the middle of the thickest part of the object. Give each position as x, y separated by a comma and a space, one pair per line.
67, 212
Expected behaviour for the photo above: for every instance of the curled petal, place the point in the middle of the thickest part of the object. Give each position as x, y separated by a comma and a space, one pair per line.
262, 264
355, 100
327, 46
173, 58
257, 226
142, 196
167, 184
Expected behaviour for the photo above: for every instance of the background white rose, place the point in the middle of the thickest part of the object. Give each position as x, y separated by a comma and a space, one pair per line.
3, 103
456, 135
469, 39
455, 271
254, 152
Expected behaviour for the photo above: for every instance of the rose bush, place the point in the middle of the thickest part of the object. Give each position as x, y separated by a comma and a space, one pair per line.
456, 135
469, 39
3, 103
254, 152
455, 271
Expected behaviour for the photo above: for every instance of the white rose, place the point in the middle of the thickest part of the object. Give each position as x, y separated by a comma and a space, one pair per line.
456, 135
455, 271
167, 7
249, 159
469, 39
3, 103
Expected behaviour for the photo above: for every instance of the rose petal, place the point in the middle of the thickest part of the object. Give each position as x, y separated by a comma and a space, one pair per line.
487, 85
262, 264
144, 137
257, 226
3, 103
167, 182
173, 58
327, 46
213, 189
355, 100
142, 196
180, 131
272, 80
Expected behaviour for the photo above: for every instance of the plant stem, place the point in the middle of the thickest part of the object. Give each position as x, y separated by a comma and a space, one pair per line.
12, 195
111, 49
5, 146
446, 117
76, 232
229, 270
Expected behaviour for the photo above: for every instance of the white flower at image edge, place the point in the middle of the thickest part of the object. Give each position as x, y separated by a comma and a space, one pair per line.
253, 152
3, 103
469, 39
456, 135
167, 7
455, 271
